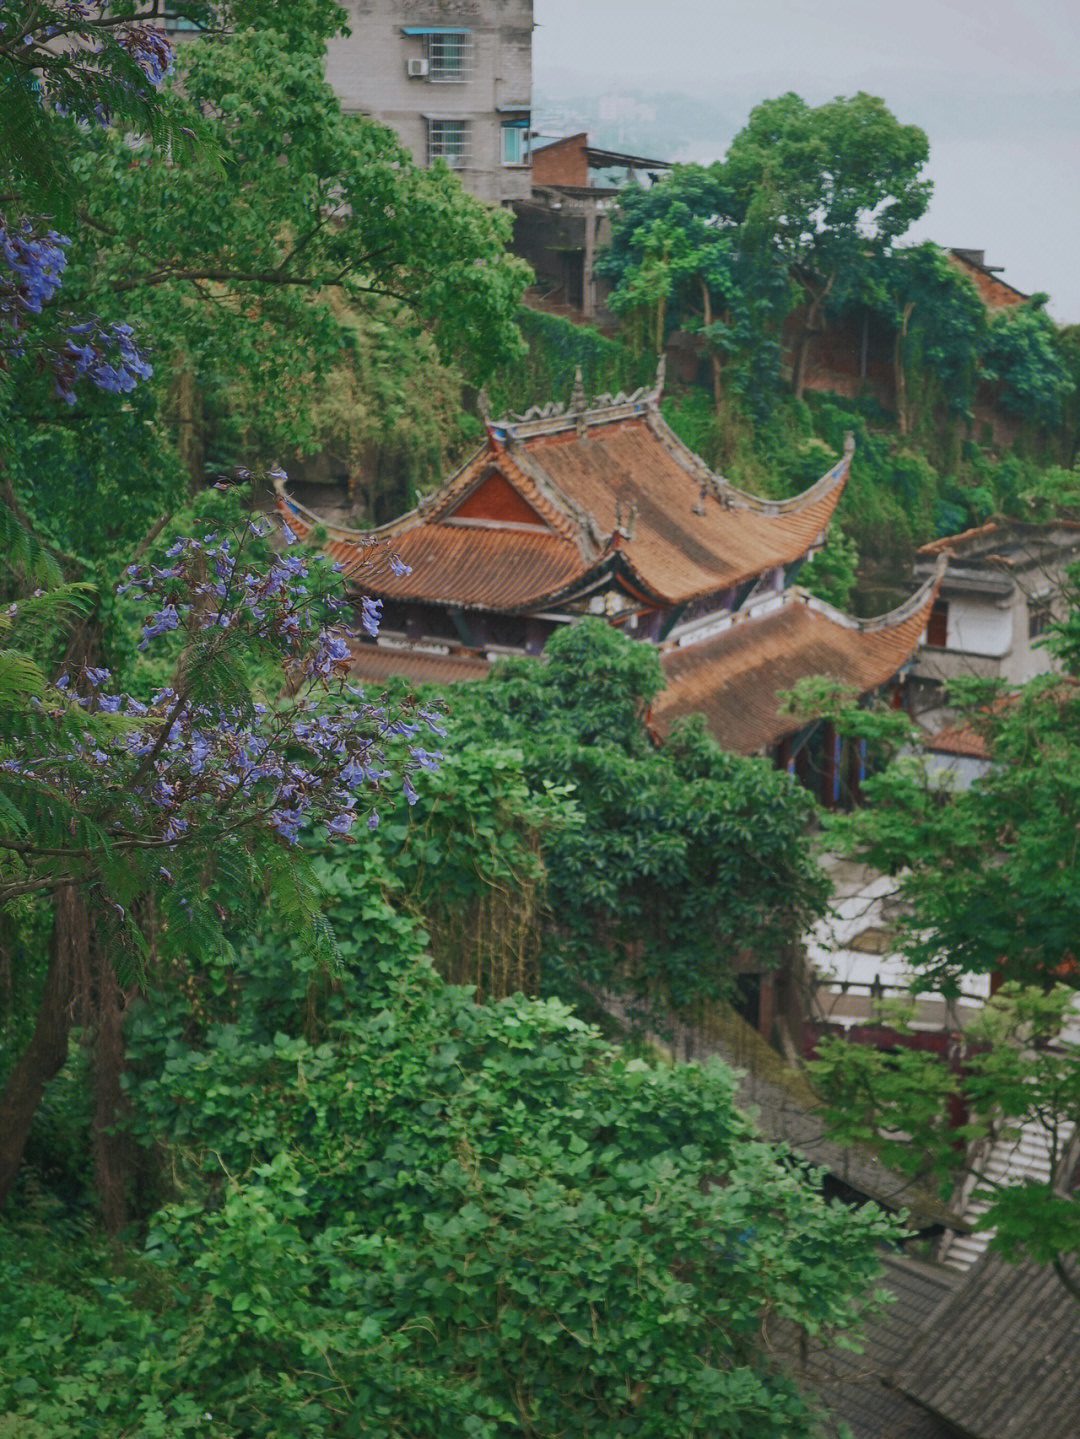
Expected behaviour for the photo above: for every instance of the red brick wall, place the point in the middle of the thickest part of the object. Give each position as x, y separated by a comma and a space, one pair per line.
564, 163
995, 293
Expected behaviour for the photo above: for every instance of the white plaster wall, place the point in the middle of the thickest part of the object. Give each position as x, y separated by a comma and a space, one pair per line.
980, 627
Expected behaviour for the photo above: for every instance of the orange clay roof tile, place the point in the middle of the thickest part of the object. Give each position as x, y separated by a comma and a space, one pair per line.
735, 679
486, 569
375, 664
625, 484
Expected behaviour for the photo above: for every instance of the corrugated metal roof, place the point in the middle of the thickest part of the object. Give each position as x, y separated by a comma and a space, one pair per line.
1001, 1359
735, 678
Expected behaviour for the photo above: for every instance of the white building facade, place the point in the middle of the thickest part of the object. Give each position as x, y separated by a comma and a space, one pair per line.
1006, 583
453, 78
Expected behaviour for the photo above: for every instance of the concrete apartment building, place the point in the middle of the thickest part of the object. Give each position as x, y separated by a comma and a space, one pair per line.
452, 77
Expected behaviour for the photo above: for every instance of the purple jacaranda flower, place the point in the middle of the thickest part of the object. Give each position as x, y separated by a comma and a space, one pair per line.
370, 615
166, 619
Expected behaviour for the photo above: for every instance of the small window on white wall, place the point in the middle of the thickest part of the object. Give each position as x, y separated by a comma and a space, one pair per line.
515, 143
1039, 618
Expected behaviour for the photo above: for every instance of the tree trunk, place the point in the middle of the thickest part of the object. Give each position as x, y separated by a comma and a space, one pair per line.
189, 429
899, 373
714, 357
47, 1051
113, 1152
809, 330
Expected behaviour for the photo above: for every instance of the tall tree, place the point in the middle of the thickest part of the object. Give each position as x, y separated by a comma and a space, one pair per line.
826, 190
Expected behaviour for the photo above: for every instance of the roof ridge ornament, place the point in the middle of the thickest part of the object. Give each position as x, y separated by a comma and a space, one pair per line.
661, 375
579, 400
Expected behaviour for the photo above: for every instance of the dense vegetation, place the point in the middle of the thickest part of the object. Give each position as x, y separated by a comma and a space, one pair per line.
305, 1129
798, 231
266, 1170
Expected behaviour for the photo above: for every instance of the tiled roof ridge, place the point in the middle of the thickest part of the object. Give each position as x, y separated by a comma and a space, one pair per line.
581, 526
731, 496
556, 416
892, 619
922, 599
551, 507
294, 510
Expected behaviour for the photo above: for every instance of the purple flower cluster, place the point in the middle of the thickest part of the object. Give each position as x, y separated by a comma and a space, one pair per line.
31, 272
106, 355
157, 773
150, 49
93, 40
34, 267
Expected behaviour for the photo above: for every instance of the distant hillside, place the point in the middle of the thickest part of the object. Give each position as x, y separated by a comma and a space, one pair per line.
662, 126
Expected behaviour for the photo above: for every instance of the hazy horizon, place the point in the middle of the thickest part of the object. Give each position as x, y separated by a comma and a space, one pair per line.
997, 92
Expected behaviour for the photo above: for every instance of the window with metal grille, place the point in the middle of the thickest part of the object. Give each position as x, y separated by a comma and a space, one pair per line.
450, 57
937, 630
448, 140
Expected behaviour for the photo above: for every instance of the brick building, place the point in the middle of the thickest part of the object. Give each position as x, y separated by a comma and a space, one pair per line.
564, 224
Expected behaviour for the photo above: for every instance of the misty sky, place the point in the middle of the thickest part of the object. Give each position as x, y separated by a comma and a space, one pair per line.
995, 84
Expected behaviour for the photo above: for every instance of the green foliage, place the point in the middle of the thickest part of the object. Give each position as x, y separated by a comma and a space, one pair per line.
831, 574
1024, 358
400, 1212
1018, 1070
556, 350
688, 860
991, 872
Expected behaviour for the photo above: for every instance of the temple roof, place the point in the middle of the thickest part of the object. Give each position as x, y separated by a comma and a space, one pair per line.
564, 499
375, 664
735, 677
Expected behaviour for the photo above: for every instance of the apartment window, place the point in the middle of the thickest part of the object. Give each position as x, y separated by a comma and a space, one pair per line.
515, 142
937, 629
1039, 617
448, 141
450, 56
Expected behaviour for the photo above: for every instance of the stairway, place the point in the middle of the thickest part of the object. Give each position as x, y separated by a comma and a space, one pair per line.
1012, 1158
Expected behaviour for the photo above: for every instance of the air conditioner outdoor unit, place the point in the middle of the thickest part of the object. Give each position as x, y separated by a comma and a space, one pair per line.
417, 69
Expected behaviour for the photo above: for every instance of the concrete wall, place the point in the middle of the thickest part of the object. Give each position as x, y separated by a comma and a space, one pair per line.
989, 636
368, 70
